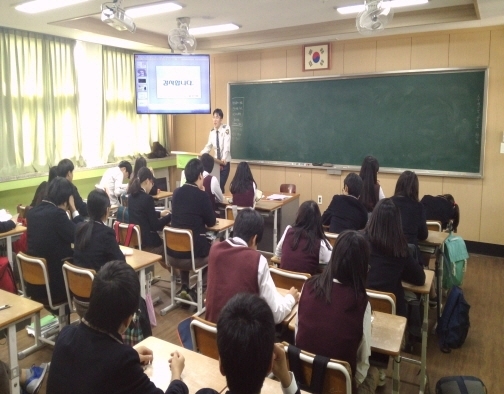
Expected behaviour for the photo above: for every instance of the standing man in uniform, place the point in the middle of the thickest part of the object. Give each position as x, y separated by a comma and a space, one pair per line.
220, 139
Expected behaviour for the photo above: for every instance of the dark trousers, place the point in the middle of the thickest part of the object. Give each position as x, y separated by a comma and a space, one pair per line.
224, 174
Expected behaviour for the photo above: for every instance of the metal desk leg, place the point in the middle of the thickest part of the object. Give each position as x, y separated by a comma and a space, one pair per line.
13, 361
275, 230
8, 241
395, 375
439, 279
423, 359
39, 343
142, 282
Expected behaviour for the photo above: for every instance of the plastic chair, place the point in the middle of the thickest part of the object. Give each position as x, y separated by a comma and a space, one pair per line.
204, 337
181, 240
33, 271
284, 279
338, 375
78, 283
381, 301
287, 188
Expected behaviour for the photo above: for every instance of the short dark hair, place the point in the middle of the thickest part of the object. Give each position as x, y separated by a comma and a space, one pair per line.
127, 165
97, 203
348, 264
354, 184
52, 173
193, 170
384, 229
248, 223
207, 161
115, 296
143, 174
218, 111
59, 190
64, 167
245, 339
407, 185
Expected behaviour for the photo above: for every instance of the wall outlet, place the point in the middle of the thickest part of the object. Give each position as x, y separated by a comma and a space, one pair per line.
319, 200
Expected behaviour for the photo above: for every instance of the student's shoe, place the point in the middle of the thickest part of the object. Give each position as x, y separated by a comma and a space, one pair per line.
192, 295
183, 292
381, 378
35, 378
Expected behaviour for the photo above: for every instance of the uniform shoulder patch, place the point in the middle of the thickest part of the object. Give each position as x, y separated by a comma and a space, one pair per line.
227, 131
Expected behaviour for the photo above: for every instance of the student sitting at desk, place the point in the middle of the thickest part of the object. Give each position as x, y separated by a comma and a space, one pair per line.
112, 181
90, 358
139, 164
210, 183
191, 209
41, 191
142, 212
371, 189
243, 186
414, 222
95, 242
235, 266
346, 212
65, 169
304, 246
339, 295
391, 260
7, 225
50, 235
247, 350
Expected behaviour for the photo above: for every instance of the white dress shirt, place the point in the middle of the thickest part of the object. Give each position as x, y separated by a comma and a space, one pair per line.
280, 305
324, 253
112, 183
224, 133
214, 187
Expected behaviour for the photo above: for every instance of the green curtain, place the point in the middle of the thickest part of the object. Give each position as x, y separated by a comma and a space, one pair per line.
38, 102
124, 132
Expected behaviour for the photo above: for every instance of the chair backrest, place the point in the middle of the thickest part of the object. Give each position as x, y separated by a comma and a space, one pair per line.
434, 225
338, 375
33, 270
179, 240
229, 212
284, 279
381, 301
135, 240
331, 237
21, 210
78, 281
204, 337
287, 188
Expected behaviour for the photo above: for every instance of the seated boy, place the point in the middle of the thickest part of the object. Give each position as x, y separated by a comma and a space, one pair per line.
210, 183
247, 352
65, 169
235, 266
346, 212
90, 358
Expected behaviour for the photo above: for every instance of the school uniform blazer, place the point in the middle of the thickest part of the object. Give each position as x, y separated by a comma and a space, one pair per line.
345, 213
86, 361
101, 249
79, 202
8, 225
142, 212
413, 219
50, 235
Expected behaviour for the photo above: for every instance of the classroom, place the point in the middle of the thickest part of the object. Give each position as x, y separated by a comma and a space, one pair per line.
467, 35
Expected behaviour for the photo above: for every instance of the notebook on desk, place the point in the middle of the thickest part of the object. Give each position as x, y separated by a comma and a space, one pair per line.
277, 197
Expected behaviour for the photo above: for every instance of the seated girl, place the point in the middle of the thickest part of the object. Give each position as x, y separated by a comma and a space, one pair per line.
95, 242
304, 246
391, 261
243, 186
339, 295
371, 189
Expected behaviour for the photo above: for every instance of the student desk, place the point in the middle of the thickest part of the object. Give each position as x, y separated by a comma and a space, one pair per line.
424, 292
221, 225
139, 260
434, 243
21, 308
387, 331
279, 214
273, 386
166, 196
290, 317
18, 230
200, 371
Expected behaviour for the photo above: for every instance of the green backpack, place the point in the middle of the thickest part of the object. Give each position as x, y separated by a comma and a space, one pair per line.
455, 261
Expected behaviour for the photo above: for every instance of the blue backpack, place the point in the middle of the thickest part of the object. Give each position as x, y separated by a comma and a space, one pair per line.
454, 323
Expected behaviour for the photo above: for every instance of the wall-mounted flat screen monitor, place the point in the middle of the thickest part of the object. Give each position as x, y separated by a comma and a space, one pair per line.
172, 84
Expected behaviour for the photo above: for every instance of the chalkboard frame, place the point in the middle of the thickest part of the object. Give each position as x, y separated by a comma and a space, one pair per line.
337, 168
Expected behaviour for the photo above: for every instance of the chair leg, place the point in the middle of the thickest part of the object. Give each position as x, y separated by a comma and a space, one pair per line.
38, 343
199, 289
173, 290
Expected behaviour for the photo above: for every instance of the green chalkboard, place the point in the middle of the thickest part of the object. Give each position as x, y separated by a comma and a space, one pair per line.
432, 121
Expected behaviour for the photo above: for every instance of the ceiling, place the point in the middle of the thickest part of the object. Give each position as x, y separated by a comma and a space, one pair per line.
264, 23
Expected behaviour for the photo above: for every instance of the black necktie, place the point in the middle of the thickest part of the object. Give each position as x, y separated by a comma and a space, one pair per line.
218, 145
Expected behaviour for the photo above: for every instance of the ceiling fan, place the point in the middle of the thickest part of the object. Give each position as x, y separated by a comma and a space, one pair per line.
375, 17
180, 39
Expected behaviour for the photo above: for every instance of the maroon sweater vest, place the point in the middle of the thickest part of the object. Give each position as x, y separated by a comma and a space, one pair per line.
299, 260
245, 199
231, 270
332, 330
207, 182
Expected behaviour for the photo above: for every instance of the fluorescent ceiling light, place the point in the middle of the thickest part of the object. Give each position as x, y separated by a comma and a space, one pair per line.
213, 29
152, 9
353, 9
35, 6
